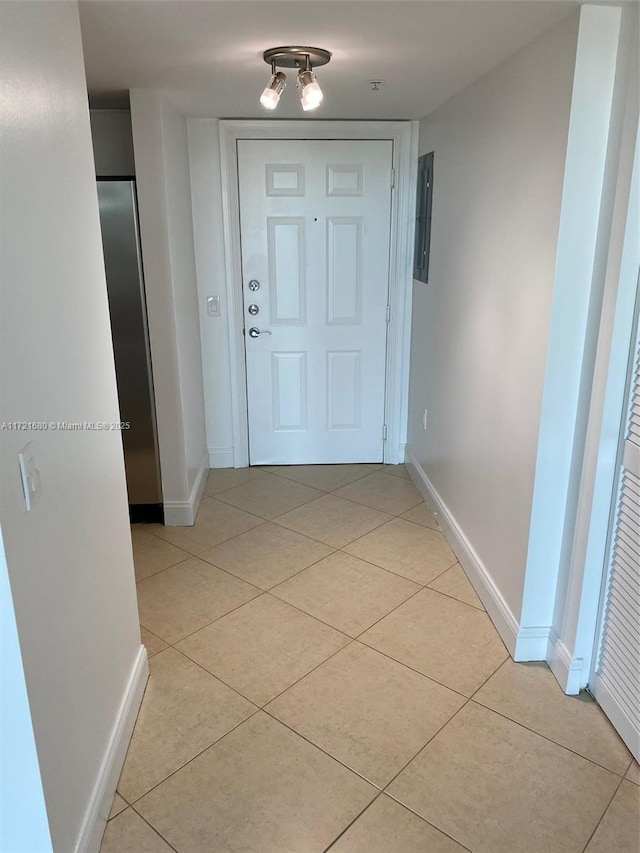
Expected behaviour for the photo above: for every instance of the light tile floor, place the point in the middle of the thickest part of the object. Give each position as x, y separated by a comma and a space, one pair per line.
324, 677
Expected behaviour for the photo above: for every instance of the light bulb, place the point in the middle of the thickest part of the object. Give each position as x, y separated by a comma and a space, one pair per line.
269, 99
311, 92
275, 87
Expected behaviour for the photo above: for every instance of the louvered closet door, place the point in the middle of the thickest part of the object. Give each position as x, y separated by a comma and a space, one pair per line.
616, 683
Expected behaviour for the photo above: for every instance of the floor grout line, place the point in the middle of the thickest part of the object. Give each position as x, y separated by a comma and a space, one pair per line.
413, 669
608, 806
192, 526
273, 698
398, 575
539, 734
627, 770
302, 677
448, 595
472, 698
330, 755
422, 748
165, 569
415, 756
377, 622
422, 817
330, 545
383, 793
222, 615
193, 758
350, 824
304, 503
217, 677
391, 515
366, 562
151, 826
297, 572
446, 723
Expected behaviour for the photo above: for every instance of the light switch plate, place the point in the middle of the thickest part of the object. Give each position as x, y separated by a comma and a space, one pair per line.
213, 306
30, 476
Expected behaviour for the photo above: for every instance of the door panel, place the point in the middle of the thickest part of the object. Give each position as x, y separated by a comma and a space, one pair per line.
344, 390
344, 270
287, 269
315, 220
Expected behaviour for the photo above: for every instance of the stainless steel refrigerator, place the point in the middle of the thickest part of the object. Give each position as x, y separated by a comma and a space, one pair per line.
127, 307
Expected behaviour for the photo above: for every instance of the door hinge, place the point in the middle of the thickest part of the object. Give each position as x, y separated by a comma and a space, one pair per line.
388, 313
384, 432
393, 178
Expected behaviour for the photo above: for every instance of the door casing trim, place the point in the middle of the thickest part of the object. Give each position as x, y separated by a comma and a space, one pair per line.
404, 135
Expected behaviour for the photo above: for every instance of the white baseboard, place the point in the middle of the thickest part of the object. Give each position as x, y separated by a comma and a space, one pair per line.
221, 457
532, 643
198, 487
569, 671
497, 608
183, 513
97, 812
178, 514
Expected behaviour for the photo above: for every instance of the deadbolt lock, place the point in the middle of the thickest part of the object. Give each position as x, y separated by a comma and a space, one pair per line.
254, 285
253, 310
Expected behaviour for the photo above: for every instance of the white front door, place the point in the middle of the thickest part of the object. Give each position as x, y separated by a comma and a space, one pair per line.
315, 221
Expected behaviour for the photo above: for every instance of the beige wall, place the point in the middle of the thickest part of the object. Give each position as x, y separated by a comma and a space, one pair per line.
164, 197
480, 326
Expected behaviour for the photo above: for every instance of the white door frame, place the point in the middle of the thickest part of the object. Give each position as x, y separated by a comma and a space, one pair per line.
404, 135
572, 655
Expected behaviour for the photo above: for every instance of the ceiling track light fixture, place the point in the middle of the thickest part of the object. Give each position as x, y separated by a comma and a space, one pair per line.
302, 58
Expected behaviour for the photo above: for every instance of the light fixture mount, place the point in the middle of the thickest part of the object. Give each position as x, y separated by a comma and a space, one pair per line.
302, 58
296, 57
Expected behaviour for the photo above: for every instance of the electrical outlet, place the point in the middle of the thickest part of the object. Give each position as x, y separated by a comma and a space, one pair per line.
424, 419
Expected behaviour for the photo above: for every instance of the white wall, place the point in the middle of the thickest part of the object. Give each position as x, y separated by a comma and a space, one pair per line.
69, 559
480, 327
166, 226
206, 194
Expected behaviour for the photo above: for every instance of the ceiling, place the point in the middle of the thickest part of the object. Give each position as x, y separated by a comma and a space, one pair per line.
207, 55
